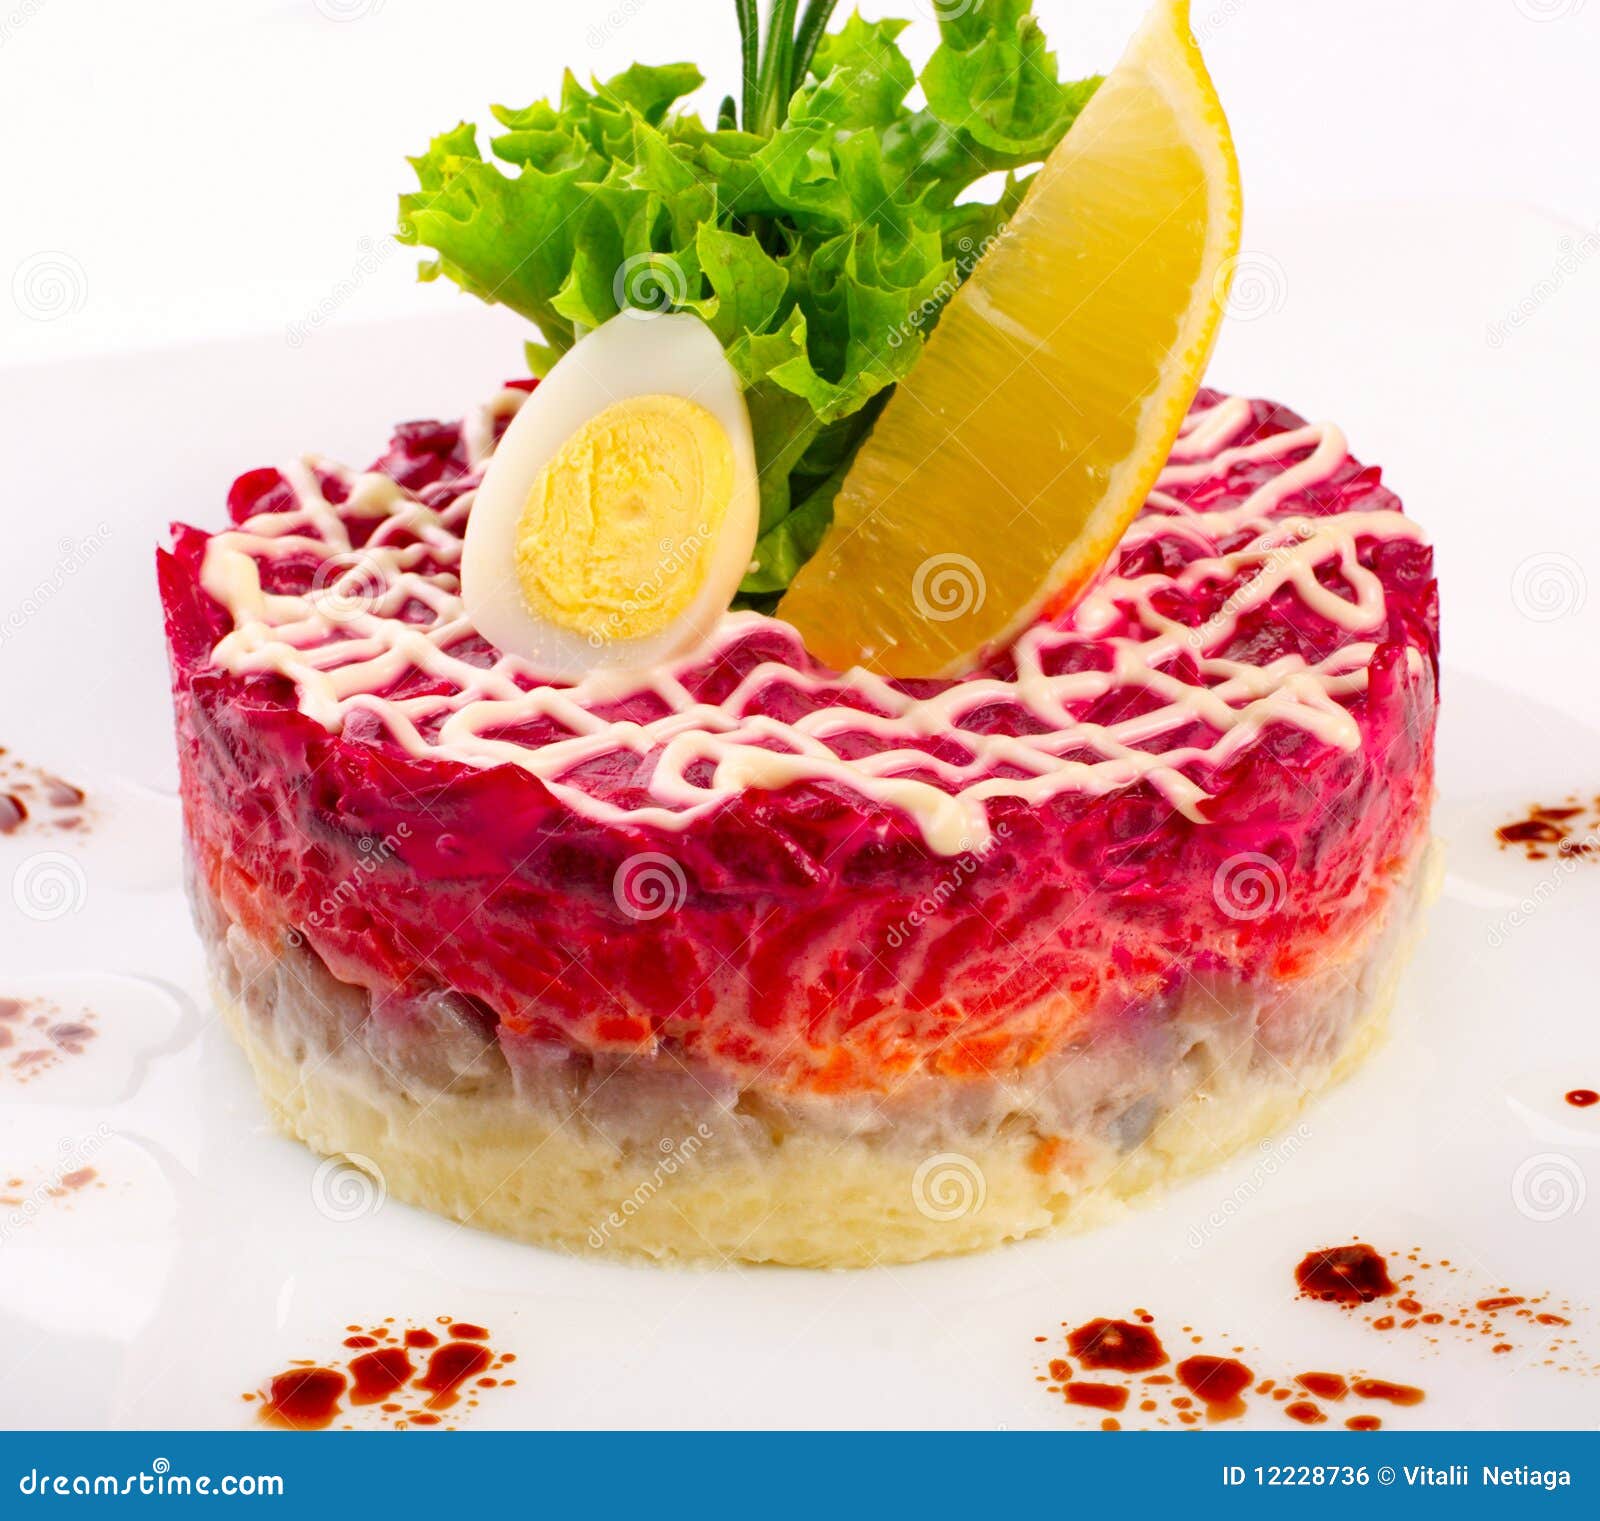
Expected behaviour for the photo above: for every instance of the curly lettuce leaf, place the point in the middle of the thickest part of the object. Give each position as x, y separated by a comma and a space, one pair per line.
819, 250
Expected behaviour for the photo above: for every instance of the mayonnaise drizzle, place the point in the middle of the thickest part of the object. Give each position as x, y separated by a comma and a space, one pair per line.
343, 642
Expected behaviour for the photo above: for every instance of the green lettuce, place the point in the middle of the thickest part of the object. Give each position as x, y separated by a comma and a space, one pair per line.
818, 240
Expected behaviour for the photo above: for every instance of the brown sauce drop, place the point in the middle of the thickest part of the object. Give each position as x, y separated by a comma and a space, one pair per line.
1326, 1386
1381, 1389
13, 813
1118, 1344
419, 1338
374, 1376
1501, 1302
1218, 1381
1583, 1098
1364, 1423
464, 1330
451, 1366
1306, 1413
1097, 1396
1353, 1274
303, 1399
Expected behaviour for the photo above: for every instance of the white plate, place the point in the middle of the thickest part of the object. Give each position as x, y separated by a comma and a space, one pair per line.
215, 1252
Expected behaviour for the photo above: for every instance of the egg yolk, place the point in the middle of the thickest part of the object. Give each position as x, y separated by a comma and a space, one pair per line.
617, 534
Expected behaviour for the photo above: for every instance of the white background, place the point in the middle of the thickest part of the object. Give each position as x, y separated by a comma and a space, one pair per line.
195, 178
220, 166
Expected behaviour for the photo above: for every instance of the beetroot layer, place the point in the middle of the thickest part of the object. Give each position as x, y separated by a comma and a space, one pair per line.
817, 940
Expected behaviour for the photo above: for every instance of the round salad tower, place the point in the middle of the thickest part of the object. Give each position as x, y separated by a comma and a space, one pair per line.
798, 787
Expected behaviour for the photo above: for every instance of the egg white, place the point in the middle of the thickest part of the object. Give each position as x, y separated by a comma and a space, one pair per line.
632, 355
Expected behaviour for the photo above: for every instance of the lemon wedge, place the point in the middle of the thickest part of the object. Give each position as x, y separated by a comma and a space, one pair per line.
1006, 466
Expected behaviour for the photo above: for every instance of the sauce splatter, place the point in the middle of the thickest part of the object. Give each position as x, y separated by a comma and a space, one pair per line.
1097, 1396
1570, 830
36, 1036
1306, 1413
34, 799
1364, 1423
1381, 1389
1348, 1274
1218, 1381
382, 1381
1326, 1386
303, 1399
1118, 1344
1582, 1098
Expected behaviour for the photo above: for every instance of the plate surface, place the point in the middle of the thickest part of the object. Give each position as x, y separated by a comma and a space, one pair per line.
204, 1253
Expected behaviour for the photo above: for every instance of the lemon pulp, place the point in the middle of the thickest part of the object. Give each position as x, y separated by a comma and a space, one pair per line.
1005, 467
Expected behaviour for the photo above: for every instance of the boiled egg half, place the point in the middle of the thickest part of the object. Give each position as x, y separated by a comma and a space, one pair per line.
619, 511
